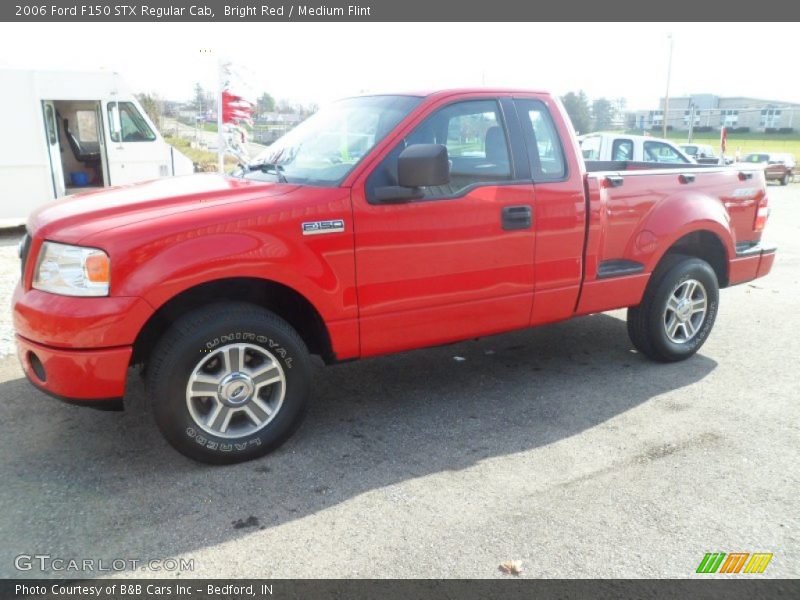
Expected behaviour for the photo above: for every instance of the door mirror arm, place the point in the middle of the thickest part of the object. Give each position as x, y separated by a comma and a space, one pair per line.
397, 194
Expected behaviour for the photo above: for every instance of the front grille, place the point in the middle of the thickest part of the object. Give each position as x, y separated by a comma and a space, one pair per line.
24, 249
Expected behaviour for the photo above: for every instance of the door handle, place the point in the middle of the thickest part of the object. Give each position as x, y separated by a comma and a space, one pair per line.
686, 178
517, 217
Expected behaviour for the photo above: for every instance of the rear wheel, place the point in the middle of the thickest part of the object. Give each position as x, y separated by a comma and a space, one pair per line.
786, 179
678, 309
228, 383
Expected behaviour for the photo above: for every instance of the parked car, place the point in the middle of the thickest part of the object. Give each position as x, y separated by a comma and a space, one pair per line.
777, 166
703, 154
435, 218
636, 148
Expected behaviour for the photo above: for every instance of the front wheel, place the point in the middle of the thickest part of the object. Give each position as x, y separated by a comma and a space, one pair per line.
228, 383
677, 311
786, 179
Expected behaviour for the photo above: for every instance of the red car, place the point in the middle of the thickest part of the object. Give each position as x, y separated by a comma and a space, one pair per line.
777, 166
381, 224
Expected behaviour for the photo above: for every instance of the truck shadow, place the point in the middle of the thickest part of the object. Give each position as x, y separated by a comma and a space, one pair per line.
84, 483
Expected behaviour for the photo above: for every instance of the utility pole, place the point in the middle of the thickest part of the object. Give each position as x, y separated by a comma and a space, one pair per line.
666, 96
691, 120
222, 83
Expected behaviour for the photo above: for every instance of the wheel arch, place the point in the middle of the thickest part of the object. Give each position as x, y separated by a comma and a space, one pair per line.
279, 298
696, 224
705, 245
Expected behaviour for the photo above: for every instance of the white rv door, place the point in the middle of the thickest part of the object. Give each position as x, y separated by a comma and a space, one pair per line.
53, 149
135, 151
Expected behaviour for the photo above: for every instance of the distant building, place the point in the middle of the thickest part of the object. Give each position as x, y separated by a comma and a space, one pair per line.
708, 110
281, 118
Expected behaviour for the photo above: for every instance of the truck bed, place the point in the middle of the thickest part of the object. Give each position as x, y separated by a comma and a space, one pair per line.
634, 208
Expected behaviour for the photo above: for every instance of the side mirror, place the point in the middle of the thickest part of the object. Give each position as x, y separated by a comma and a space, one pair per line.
418, 166
116, 122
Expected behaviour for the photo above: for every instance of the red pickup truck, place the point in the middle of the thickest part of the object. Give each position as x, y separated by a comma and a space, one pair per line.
383, 223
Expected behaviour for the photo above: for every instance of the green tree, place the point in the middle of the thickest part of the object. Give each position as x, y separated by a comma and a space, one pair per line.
577, 107
603, 113
199, 102
265, 103
153, 106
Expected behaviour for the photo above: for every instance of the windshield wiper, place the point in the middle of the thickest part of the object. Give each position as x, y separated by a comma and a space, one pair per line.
266, 167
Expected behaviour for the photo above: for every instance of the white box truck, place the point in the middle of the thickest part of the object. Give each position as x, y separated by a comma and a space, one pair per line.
68, 132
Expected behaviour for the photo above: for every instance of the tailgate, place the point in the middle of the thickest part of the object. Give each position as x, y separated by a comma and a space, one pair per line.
744, 195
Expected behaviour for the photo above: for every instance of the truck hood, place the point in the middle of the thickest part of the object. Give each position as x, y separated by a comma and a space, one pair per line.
73, 218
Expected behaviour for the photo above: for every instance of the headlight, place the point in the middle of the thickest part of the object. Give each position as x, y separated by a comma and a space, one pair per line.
72, 270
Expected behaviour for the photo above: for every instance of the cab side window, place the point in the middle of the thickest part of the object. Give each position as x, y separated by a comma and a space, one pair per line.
544, 145
622, 149
662, 153
129, 126
474, 135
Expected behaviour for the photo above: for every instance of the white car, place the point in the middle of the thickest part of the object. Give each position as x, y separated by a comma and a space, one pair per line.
703, 153
636, 148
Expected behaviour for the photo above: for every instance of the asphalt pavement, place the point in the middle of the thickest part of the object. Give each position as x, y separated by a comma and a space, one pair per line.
557, 447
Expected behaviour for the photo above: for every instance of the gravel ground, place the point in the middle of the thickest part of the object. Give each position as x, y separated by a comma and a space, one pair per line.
9, 275
558, 447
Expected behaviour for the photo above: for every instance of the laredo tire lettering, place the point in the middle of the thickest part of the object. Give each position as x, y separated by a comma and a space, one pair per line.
222, 447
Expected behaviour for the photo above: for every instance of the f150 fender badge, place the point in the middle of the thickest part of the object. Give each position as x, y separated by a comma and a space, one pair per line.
318, 227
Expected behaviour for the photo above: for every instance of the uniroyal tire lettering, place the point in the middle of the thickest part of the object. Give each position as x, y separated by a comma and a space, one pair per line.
248, 336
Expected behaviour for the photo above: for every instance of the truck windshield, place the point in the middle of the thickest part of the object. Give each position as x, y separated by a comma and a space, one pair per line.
323, 149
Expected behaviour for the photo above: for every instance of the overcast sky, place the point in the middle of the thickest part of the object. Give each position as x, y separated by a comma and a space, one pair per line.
318, 62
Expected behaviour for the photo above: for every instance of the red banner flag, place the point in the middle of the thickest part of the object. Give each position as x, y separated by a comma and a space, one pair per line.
235, 108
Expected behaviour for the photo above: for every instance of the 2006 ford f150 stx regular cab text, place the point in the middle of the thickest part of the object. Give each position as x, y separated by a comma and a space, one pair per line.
382, 223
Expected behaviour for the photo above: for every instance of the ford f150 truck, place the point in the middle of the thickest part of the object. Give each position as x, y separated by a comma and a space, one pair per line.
383, 223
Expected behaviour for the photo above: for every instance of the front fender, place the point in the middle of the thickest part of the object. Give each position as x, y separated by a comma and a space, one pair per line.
172, 266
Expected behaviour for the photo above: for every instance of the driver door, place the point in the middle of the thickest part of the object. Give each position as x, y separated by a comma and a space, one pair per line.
458, 262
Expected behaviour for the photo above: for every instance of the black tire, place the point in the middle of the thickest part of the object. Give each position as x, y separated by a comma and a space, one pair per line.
785, 179
214, 331
647, 323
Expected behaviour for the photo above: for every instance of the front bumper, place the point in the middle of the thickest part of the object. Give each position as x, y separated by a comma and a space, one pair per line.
751, 263
92, 377
77, 349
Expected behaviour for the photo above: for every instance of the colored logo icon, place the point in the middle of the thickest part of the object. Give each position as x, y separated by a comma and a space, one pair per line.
735, 562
